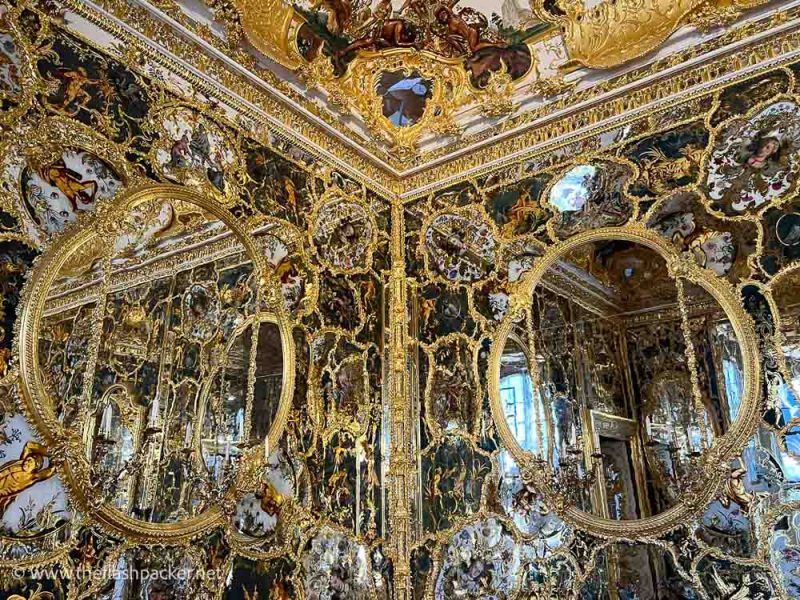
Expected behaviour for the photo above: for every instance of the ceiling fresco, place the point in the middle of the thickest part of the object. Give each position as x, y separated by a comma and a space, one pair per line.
278, 322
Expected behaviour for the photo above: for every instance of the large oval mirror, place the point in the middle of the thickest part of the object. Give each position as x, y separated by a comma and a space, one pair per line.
625, 376
160, 361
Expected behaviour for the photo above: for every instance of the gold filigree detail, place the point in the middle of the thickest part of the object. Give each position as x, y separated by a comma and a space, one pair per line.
271, 25
612, 33
357, 90
497, 97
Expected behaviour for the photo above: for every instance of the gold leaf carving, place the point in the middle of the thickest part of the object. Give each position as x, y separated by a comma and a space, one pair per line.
269, 25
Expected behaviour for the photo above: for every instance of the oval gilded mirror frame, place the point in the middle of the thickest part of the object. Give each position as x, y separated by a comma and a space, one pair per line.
66, 447
714, 465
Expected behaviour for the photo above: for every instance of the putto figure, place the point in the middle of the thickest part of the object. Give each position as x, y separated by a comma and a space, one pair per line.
19, 475
441, 27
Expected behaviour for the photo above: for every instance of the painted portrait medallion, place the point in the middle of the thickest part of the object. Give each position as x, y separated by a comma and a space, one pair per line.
342, 234
10, 66
58, 193
589, 196
461, 247
754, 162
193, 150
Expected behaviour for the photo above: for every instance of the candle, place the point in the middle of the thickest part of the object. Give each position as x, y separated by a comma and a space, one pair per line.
105, 425
154, 410
188, 440
266, 450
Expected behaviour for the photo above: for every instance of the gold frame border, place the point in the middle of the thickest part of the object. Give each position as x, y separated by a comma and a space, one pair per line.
34, 400
715, 458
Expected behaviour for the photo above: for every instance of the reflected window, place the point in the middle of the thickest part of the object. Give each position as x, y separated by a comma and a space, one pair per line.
404, 97
518, 401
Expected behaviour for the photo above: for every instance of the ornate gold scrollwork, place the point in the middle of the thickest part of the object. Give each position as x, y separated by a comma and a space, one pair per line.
357, 90
614, 32
271, 26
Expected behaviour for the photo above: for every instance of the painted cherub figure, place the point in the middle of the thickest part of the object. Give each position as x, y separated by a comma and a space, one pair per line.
457, 28
18, 475
75, 83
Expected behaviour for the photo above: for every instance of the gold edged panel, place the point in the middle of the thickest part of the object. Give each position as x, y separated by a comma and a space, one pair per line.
716, 133
38, 143
232, 172
333, 197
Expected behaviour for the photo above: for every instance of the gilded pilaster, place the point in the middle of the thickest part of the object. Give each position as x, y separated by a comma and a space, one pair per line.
401, 465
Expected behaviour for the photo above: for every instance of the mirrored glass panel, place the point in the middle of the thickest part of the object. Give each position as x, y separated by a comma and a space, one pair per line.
153, 351
617, 379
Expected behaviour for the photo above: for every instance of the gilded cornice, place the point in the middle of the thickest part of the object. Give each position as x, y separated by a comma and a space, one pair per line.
736, 55
637, 105
275, 112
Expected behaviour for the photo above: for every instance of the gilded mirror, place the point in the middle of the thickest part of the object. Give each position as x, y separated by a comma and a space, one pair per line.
622, 377
156, 361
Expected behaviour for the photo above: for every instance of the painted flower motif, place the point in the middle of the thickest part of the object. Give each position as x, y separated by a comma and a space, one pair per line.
482, 561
